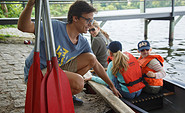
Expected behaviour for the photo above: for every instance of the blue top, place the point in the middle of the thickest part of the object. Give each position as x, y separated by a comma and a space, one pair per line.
65, 49
111, 77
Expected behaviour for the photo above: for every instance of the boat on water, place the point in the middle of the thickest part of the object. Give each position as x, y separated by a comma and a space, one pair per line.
169, 100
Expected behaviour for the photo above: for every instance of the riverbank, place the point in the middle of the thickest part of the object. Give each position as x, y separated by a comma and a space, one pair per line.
15, 36
12, 86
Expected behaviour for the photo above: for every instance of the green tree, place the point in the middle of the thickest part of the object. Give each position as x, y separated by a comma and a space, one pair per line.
13, 10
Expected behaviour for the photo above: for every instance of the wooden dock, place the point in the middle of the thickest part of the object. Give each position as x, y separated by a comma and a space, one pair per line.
115, 103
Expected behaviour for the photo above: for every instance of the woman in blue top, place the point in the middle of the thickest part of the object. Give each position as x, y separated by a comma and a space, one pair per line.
124, 71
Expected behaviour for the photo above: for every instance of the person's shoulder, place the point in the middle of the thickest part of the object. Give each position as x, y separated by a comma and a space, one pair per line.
154, 60
100, 34
110, 64
82, 38
97, 41
54, 21
96, 38
159, 57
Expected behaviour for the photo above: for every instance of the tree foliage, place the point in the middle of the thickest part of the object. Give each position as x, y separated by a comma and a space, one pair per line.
14, 10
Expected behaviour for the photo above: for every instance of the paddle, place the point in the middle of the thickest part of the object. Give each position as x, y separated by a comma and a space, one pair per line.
32, 103
44, 105
59, 97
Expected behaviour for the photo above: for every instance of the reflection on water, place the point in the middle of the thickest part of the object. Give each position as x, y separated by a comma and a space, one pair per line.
130, 32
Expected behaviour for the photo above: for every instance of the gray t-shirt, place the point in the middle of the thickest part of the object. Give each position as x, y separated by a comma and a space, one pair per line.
99, 48
65, 49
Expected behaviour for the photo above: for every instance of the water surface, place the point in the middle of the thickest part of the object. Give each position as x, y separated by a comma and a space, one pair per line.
130, 32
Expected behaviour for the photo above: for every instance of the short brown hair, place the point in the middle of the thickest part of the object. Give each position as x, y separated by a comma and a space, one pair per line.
78, 8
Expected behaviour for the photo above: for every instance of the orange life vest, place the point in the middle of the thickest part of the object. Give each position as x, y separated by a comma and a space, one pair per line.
109, 59
143, 63
133, 75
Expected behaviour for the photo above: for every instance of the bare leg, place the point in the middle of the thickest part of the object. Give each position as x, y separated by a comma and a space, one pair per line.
76, 82
85, 62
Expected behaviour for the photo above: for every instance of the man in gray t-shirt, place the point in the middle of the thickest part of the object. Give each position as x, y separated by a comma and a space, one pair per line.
71, 47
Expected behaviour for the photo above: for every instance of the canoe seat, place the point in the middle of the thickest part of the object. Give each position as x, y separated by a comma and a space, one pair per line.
148, 101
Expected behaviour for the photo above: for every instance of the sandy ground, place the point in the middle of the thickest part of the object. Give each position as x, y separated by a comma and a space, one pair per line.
93, 103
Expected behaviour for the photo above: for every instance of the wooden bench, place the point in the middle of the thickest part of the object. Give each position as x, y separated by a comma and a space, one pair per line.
115, 103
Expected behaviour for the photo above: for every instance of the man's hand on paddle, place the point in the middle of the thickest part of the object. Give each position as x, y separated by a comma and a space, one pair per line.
31, 2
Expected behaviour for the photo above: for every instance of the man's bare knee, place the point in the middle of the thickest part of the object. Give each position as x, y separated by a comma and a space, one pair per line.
78, 85
76, 82
91, 59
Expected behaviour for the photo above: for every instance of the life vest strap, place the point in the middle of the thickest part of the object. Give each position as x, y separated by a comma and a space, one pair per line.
134, 82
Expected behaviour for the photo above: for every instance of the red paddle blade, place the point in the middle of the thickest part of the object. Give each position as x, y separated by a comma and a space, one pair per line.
32, 103
59, 94
43, 93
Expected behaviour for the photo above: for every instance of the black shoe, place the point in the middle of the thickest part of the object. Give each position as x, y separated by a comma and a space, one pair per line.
77, 101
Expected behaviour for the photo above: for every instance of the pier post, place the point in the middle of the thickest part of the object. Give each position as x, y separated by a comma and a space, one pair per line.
142, 10
146, 29
172, 23
142, 6
171, 31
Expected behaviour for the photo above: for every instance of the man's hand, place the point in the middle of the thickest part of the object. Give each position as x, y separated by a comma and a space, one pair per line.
116, 92
31, 3
87, 79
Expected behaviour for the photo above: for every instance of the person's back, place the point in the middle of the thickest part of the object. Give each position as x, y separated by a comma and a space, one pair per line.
124, 71
99, 49
133, 75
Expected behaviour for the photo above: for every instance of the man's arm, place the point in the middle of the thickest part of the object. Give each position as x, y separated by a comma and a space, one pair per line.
24, 23
100, 71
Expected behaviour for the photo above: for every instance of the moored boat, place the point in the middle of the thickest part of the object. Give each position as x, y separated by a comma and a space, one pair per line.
170, 99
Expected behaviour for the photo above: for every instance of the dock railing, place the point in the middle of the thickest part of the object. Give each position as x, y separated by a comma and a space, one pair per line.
142, 15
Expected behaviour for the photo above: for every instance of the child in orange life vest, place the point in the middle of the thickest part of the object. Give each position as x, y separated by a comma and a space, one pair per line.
152, 68
124, 71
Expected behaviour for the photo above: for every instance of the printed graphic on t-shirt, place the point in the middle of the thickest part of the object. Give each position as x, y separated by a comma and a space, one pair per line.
62, 56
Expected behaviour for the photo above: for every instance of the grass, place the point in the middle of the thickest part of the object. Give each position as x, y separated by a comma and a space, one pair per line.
3, 36
8, 26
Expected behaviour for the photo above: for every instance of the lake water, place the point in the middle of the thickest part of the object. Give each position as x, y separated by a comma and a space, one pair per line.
130, 32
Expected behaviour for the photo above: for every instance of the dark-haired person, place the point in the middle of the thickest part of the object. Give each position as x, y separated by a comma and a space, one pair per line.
100, 41
73, 50
152, 68
124, 71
